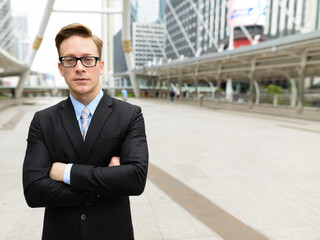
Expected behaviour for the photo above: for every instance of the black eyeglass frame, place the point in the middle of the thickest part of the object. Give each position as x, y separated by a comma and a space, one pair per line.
61, 59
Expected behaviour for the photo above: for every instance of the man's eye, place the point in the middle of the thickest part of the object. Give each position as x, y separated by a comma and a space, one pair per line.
69, 60
88, 59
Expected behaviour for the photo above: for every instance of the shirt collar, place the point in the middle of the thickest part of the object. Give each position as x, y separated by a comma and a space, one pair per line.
78, 106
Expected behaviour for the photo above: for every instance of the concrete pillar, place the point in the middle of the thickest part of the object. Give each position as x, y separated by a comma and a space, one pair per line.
218, 89
127, 46
218, 83
251, 80
293, 97
301, 81
196, 81
179, 85
35, 46
168, 88
301, 92
229, 91
256, 87
213, 89
107, 37
159, 87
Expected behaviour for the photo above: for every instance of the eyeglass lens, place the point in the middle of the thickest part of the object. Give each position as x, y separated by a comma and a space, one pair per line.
86, 61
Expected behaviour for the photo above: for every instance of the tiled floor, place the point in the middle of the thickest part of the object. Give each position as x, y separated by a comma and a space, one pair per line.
263, 170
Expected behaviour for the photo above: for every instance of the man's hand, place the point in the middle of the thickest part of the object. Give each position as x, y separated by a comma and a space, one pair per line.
57, 171
115, 161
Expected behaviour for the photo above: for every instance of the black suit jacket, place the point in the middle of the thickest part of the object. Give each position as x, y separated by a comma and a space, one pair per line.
96, 205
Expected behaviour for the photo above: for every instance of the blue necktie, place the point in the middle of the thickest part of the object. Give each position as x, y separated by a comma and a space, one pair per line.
84, 122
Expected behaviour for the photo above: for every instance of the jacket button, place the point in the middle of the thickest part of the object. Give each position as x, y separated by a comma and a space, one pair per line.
83, 217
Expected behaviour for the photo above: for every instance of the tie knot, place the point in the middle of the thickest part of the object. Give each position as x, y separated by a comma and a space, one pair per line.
85, 113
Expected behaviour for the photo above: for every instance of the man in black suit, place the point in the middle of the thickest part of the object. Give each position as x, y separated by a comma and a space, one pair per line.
87, 154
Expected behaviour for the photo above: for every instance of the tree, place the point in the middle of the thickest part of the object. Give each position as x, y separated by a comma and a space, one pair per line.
274, 90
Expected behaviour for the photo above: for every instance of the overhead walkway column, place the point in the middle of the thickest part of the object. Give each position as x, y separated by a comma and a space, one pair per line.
127, 46
293, 98
180, 83
229, 90
211, 87
219, 84
35, 47
256, 87
168, 86
301, 81
293, 90
251, 81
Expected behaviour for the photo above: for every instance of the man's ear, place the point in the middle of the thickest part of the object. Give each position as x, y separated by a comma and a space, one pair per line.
60, 69
101, 67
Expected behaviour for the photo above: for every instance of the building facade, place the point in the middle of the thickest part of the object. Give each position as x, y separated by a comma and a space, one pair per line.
119, 61
195, 27
21, 36
6, 27
148, 43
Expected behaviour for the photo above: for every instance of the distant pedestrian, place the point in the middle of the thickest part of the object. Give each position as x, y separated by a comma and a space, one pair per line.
172, 94
177, 93
124, 94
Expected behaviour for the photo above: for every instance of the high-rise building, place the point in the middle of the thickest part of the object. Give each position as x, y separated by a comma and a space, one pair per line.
195, 27
21, 37
148, 43
147, 40
6, 28
162, 5
119, 61
181, 25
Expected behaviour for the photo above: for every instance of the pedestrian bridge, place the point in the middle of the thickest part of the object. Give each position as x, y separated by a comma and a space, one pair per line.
10, 66
292, 58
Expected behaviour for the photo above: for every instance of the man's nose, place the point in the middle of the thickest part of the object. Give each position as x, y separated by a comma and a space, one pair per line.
79, 65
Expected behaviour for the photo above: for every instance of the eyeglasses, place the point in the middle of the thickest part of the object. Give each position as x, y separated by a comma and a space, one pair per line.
69, 62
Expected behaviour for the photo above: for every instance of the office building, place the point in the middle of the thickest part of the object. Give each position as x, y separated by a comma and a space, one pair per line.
196, 27
148, 43
119, 61
21, 37
6, 27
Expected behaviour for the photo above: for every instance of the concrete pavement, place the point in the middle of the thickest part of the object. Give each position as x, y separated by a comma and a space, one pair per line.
261, 172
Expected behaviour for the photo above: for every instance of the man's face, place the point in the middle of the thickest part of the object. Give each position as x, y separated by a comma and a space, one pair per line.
83, 81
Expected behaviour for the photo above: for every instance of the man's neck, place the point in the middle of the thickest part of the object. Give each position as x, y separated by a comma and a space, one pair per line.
85, 99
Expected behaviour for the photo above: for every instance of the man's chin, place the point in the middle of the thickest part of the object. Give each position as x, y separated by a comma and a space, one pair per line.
81, 90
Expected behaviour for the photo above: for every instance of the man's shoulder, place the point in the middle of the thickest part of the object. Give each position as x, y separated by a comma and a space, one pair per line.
119, 104
52, 109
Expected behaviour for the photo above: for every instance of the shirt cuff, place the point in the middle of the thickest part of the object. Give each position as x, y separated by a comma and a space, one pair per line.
66, 175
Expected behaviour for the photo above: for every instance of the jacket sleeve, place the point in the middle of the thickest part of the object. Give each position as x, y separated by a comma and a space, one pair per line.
39, 189
127, 179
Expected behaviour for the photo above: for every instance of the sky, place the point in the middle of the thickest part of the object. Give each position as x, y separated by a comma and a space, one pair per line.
46, 59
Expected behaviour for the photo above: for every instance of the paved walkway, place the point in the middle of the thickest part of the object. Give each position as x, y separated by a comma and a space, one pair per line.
214, 174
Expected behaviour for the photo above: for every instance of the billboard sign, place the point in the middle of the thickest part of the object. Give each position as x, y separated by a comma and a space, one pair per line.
246, 12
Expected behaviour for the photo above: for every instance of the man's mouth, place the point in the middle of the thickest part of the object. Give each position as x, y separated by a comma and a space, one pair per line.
81, 79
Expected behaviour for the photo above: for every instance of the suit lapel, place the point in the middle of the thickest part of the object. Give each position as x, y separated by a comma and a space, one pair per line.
101, 114
70, 124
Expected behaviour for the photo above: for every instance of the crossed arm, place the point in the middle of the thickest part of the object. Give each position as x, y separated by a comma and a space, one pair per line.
58, 168
87, 182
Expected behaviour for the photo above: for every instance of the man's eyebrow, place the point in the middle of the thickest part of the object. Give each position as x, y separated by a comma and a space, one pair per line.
81, 55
